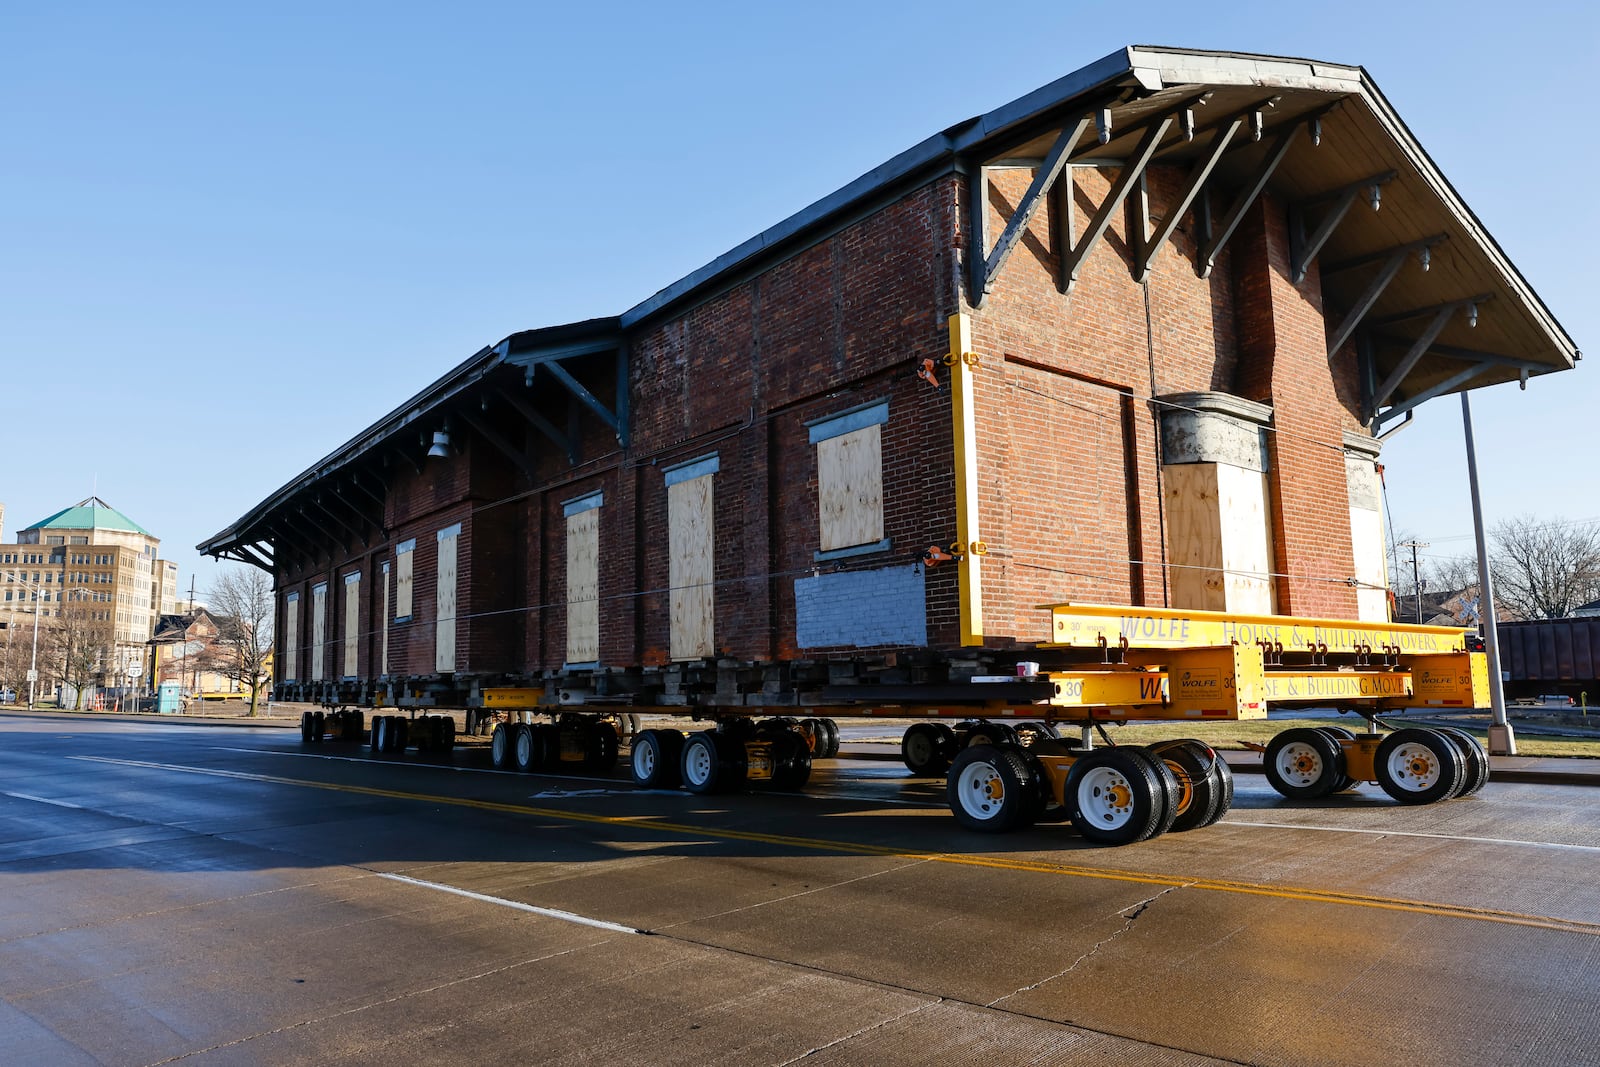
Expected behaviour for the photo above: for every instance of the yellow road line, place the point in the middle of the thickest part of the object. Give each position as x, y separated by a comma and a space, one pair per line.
1215, 885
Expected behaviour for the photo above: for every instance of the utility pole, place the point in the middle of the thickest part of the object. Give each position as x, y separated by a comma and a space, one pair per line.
1416, 580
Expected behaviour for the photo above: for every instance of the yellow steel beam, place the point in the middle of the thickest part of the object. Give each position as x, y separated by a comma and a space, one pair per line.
1460, 681
1086, 625
963, 415
512, 698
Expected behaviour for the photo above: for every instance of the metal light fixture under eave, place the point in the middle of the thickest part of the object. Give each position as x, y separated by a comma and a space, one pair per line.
441, 445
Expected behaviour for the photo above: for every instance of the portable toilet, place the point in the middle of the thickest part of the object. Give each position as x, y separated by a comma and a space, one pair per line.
169, 698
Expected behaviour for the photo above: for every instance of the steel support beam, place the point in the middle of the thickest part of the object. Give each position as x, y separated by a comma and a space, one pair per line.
1247, 196
1043, 179
1132, 170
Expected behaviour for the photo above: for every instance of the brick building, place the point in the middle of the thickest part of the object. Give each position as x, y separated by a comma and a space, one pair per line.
1131, 339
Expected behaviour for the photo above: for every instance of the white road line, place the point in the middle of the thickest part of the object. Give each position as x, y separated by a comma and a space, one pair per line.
45, 800
549, 913
1409, 833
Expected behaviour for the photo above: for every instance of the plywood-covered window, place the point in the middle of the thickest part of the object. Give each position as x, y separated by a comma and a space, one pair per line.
404, 552
444, 631
352, 622
291, 637
691, 520
319, 628
583, 578
383, 614
850, 480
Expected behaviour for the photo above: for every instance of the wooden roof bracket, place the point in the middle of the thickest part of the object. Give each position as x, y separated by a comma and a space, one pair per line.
1246, 196
1304, 248
987, 268
1132, 172
518, 456
1393, 260
539, 422
1196, 180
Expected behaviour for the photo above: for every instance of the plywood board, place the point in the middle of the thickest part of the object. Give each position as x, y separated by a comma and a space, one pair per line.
291, 638
583, 586
1194, 536
402, 584
850, 488
1246, 525
383, 614
1366, 544
352, 625
690, 540
319, 629
444, 631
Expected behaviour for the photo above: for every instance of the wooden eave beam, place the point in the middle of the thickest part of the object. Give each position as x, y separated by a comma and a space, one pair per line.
1450, 384
1247, 196
1382, 256
361, 487
1432, 309
1043, 178
517, 456
1418, 349
539, 422
1369, 296
337, 521
577, 389
1133, 168
1306, 248
1198, 174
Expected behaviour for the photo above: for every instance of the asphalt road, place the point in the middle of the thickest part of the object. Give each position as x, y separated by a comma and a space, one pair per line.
231, 896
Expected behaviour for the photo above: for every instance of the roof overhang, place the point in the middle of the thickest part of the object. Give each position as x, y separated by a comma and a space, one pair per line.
1410, 276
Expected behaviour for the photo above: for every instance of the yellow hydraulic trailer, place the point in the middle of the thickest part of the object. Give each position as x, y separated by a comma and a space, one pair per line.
1164, 664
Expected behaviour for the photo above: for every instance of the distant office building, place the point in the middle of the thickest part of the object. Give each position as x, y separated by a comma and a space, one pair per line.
94, 567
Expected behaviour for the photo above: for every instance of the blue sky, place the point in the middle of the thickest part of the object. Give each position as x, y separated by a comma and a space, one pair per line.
205, 208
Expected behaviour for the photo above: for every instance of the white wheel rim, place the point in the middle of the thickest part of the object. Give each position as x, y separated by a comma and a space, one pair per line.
697, 768
497, 746
1414, 767
1105, 798
524, 747
1299, 764
980, 790
644, 760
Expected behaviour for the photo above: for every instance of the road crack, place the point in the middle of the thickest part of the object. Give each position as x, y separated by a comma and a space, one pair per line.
1130, 915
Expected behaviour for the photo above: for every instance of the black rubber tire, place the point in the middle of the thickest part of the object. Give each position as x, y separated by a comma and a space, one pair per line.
654, 760
1199, 787
305, 727
373, 735
1476, 760
1168, 789
1031, 733
1223, 776
447, 740
1339, 733
791, 761
547, 747
524, 748
923, 751
401, 733
701, 765
989, 733
991, 789
1417, 766
599, 747
500, 747
1099, 810
831, 729
1303, 764
319, 727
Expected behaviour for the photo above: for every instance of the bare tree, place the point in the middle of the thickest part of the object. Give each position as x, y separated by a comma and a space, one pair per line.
241, 602
1545, 569
81, 647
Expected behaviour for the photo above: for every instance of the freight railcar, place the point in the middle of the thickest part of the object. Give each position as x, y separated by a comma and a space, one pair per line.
1132, 339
